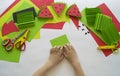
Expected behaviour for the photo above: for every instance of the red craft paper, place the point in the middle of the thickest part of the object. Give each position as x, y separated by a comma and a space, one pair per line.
105, 10
40, 3
13, 4
75, 21
54, 25
9, 28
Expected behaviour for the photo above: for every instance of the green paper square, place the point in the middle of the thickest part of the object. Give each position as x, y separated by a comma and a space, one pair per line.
59, 41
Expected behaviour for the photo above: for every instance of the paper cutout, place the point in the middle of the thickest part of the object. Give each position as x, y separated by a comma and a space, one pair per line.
54, 25
73, 10
12, 56
45, 13
40, 3
9, 28
62, 18
58, 7
107, 11
59, 41
12, 5
75, 21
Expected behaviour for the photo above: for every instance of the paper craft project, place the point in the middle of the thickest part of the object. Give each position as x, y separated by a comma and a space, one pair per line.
75, 21
73, 10
89, 15
12, 5
40, 3
58, 7
45, 13
9, 28
59, 41
31, 9
12, 56
105, 10
104, 25
54, 25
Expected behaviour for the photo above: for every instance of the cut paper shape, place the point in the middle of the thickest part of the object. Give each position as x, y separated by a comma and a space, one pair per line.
105, 10
58, 7
59, 41
40, 3
54, 25
23, 11
75, 21
13, 56
9, 28
12, 5
45, 13
62, 18
73, 10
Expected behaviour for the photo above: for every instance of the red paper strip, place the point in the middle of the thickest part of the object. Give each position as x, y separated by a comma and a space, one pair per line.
9, 28
106, 11
13, 4
54, 25
75, 21
40, 3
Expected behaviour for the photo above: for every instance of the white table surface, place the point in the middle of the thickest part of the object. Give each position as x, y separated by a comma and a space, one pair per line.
93, 62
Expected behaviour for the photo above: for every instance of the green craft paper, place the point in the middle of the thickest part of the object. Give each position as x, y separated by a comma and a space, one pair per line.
12, 56
62, 18
59, 41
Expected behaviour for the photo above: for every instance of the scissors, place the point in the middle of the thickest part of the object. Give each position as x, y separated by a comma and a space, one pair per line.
20, 44
9, 43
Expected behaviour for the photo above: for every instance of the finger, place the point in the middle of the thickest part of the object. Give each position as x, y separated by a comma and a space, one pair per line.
65, 47
51, 50
62, 57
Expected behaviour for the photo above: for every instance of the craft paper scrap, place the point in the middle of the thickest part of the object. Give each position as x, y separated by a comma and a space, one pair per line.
40, 3
75, 21
9, 28
54, 25
59, 41
13, 56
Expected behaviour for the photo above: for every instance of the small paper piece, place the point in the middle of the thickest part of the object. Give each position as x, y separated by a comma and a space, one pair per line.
54, 25
40, 3
59, 41
73, 10
45, 13
75, 21
13, 56
9, 28
58, 7
12, 5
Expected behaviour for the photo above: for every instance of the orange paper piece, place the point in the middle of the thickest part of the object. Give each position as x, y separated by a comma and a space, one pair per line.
9, 28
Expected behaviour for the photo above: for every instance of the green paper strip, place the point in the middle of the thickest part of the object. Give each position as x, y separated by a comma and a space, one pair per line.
59, 41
